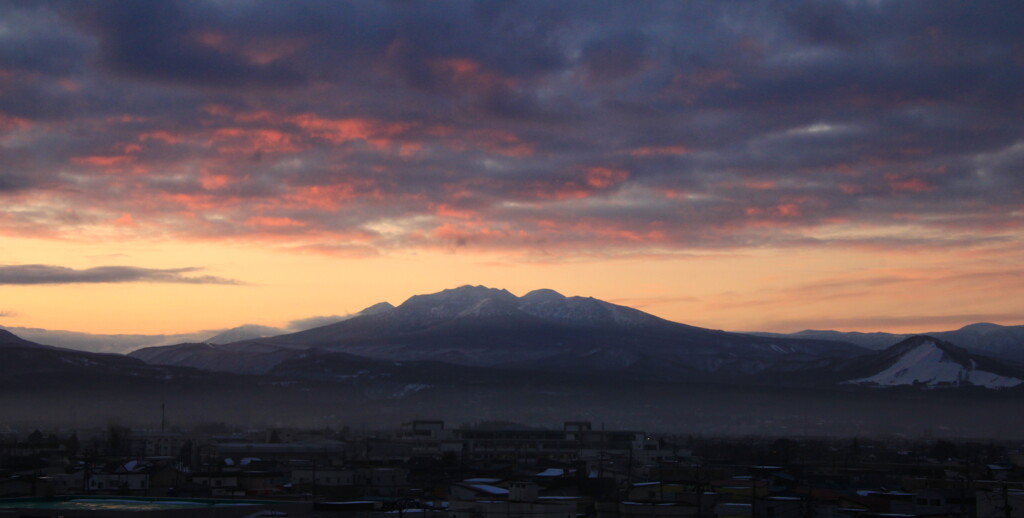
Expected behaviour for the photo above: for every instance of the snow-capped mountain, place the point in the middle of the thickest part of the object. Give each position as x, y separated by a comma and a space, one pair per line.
480, 326
926, 361
582, 311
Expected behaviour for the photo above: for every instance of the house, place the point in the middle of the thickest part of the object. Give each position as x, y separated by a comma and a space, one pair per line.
131, 477
999, 503
944, 502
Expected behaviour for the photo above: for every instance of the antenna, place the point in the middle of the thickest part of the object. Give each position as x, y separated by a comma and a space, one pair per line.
163, 416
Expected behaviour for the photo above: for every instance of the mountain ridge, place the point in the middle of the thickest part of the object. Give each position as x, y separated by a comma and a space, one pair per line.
546, 333
481, 326
986, 338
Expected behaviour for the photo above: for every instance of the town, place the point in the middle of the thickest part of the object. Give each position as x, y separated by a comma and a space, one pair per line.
492, 469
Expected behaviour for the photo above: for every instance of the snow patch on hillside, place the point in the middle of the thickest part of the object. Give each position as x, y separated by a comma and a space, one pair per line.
927, 364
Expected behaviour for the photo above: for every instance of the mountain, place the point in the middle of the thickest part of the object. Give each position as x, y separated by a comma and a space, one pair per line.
246, 332
43, 386
488, 354
983, 338
125, 343
254, 358
542, 330
41, 365
989, 339
101, 343
9, 340
876, 341
925, 361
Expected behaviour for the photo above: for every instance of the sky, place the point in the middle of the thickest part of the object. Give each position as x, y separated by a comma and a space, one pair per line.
775, 166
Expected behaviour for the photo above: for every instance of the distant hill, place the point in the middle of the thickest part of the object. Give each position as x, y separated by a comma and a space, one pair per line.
101, 343
1005, 342
9, 340
246, 332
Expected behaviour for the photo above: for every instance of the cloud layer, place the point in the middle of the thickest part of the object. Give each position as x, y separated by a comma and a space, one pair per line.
26, 274
566, 129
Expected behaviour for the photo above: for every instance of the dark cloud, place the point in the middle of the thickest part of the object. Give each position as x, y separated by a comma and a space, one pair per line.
616, 55
27, 45
48, 274
13, 182
162, 41
355, 127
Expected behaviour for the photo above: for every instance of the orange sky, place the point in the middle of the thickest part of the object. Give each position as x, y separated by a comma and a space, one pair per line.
771, 290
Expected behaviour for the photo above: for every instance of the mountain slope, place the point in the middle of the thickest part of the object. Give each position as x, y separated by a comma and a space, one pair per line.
245, 332
43, 365
9, 340
926, 361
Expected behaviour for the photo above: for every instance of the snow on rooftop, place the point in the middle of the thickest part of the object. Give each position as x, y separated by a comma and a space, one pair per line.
489, 489
551, 472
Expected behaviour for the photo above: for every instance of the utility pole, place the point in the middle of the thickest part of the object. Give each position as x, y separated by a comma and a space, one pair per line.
753, 494
1007, 508
700, 495
963, 495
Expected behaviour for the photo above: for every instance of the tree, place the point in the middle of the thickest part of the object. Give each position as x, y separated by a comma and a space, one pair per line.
72, 445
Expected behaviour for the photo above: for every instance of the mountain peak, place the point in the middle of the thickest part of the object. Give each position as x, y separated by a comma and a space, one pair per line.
542, 295
243, 332
918, 340
379, 307
949, 351
464, 292
452, 302
981, 327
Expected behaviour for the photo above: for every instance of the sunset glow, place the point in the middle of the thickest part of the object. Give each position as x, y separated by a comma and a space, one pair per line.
769, 167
